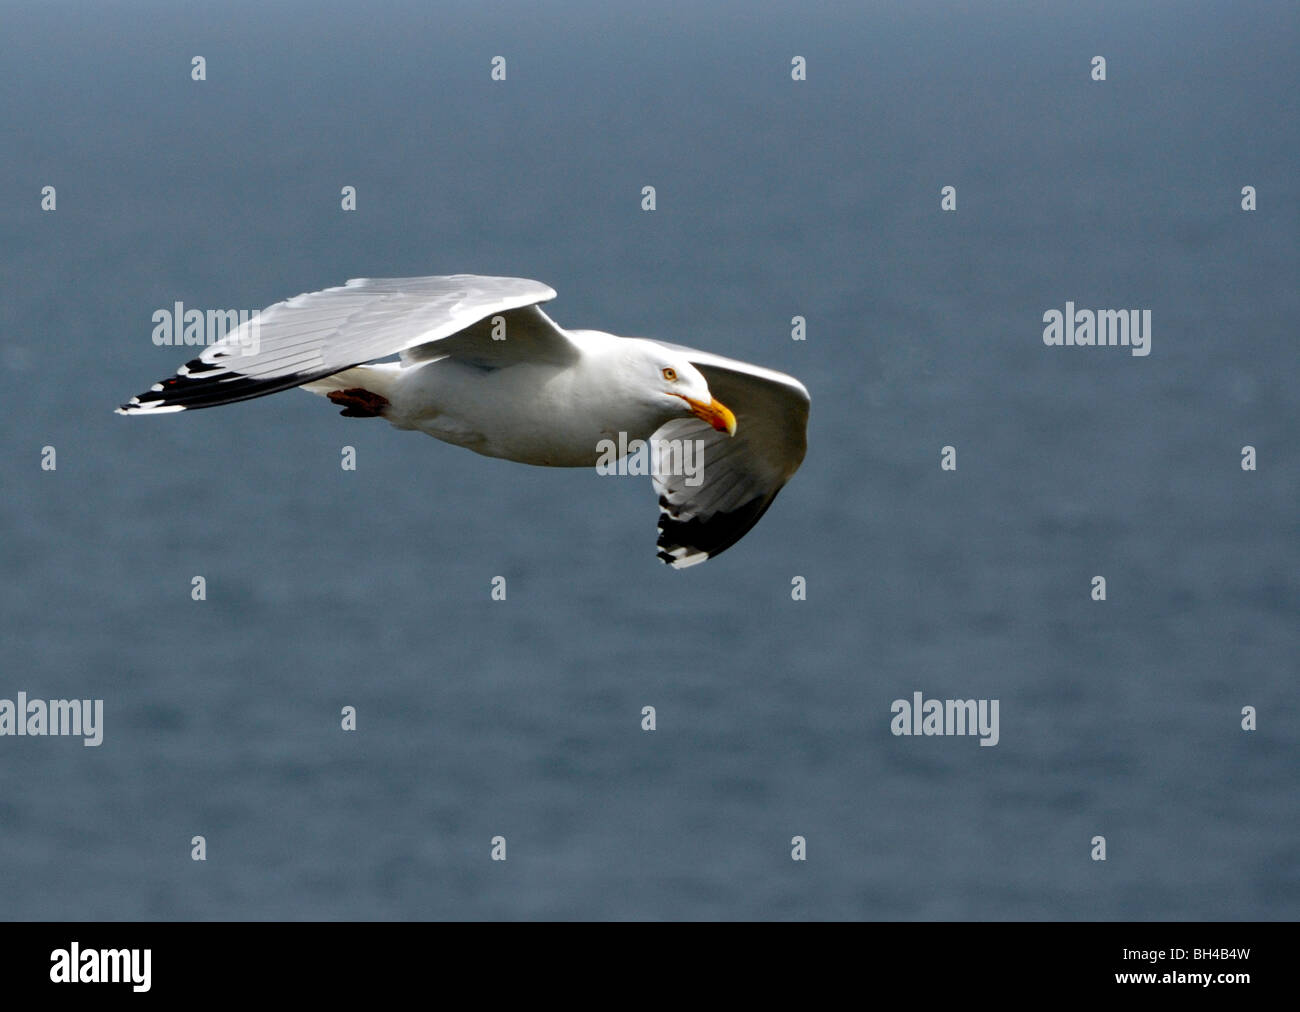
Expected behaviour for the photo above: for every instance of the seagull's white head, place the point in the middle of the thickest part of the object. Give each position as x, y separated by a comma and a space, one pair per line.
677, 388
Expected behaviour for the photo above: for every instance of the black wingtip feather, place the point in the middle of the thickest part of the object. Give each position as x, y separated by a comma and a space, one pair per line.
194, 392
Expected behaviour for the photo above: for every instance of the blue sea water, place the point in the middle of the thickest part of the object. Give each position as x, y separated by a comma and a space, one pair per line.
522, 718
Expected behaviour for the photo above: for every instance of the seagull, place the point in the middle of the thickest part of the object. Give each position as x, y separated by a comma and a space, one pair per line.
481, 366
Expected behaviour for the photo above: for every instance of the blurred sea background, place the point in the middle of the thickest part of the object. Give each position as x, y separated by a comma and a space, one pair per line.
522, 719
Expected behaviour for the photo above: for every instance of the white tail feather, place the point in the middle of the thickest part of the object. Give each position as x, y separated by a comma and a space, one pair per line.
379, 378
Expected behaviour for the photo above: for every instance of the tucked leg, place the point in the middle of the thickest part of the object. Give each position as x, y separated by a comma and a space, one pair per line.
358, 403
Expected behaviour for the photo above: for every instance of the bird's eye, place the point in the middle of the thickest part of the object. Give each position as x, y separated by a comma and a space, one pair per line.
670, 373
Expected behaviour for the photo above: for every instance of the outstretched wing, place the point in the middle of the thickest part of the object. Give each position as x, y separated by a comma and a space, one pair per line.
742, 473
320, 333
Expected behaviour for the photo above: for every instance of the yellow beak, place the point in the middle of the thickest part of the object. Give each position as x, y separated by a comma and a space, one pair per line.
715, 413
